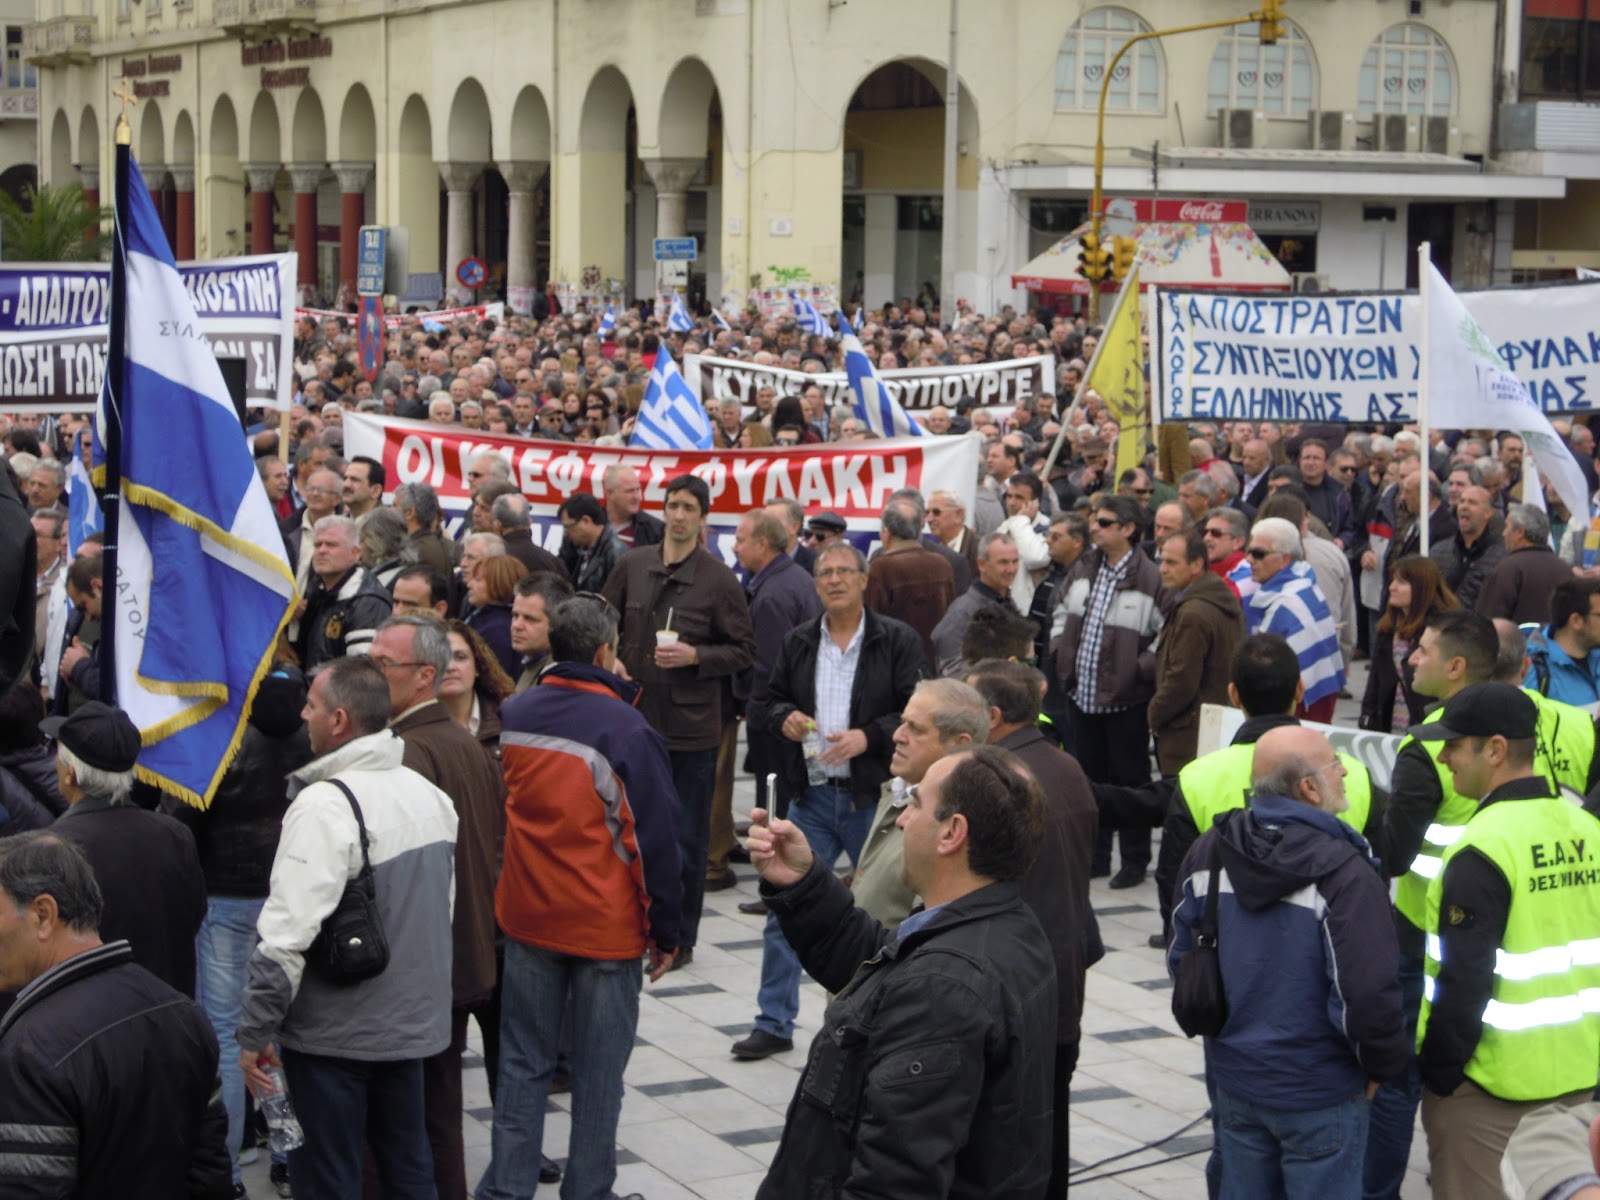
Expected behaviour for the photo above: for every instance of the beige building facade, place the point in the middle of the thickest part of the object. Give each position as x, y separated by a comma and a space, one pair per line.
800, 141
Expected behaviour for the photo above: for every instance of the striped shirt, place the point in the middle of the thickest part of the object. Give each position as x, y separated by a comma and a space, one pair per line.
1094, 624
836, 677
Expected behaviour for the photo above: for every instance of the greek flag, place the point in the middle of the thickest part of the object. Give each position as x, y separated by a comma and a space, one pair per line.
83, 508
861, 318
679, 320
671, 417
204, 587
808, 318
608, 324
722, 321
874, 404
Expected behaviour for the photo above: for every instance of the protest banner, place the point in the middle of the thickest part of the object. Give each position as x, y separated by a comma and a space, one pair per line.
991, 384
1374, 751
854, 480
53, 328
443, 316
1354, 356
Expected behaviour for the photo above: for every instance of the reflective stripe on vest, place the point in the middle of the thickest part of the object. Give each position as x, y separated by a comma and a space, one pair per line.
1541, 1025
1219, 782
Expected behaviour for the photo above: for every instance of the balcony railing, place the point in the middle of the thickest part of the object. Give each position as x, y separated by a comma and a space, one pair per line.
59, 41
266, 18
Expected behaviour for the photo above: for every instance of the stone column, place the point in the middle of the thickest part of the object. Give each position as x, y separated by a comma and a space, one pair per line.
263, 180
155, 182
89, 173
353, 180
458, 180
671, 177
183, 213
306, 176
522, 178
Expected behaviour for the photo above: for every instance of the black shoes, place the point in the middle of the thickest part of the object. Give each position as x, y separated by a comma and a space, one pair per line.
761, 1044
685, 957
1128, 877
549, 1172
723, 882
279, 1175
754, 908
1158, 941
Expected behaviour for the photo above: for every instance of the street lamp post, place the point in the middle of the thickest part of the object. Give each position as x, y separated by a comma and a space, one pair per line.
1270, 18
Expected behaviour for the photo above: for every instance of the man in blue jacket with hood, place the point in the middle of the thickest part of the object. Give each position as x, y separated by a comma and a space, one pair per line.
1309, 960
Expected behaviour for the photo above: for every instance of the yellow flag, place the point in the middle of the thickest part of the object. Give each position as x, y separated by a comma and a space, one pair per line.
1117, 375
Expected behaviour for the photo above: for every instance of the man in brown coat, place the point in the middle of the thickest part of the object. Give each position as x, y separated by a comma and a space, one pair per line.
1056, 887
1195, 651
906, 580
686, 634
414, 652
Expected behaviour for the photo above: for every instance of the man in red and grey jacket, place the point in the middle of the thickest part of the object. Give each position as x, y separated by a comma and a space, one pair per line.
591, 881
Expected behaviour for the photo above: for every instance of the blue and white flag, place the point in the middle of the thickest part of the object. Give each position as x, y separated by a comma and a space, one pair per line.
83, 507
808, 318
722, 321
679, 320
671, 417
874, 405
205, 588
861, 318
608, 324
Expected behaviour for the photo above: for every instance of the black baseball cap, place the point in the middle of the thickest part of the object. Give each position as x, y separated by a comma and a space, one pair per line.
1482, 710
102, 736
827, 522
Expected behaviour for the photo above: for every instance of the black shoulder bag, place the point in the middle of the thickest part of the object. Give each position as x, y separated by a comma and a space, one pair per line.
1198, 1001
351, 946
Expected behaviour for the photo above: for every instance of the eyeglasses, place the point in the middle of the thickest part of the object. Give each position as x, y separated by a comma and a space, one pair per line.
1106, 522
1143, 491
597, 598
1325, 766
839, 572
320, 491
1215, 533
1257, 553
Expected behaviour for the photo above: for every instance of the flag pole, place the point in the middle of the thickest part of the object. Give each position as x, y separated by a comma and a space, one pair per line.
1424, 492
111, 433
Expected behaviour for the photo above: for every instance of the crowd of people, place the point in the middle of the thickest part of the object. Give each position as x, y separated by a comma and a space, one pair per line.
525, 759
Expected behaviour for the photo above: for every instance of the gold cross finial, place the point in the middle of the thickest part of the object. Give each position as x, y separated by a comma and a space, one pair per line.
124, 94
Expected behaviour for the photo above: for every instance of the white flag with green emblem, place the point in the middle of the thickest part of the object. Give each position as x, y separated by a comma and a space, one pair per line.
1470, 387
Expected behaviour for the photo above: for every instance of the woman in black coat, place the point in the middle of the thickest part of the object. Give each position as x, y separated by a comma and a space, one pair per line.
1417, 590
29, 797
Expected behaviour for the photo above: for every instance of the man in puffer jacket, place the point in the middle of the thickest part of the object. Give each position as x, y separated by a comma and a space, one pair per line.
1308, 962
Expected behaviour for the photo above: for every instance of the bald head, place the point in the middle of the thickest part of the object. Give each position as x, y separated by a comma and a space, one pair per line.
1300, 764
1511, 661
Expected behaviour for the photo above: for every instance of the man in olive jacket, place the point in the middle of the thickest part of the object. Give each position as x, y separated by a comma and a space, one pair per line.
932, 1074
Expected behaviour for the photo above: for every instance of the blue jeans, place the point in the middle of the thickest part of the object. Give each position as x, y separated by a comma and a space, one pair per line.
833, 825
694, 776
1272, 1155
1394, 1108
341, 1101
603, 1017
221, 955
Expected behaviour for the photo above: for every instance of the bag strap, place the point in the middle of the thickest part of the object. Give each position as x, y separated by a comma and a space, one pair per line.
1208, 921
361, 826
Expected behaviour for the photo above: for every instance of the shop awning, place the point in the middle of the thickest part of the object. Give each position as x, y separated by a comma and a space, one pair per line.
1224, 254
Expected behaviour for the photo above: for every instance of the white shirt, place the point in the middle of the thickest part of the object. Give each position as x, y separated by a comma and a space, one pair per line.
836, 676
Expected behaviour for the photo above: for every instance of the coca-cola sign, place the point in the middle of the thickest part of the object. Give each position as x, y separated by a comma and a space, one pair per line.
1189, 211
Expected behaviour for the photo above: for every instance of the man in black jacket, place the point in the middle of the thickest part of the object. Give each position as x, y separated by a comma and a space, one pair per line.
81, 1104
843, 678
931, 1076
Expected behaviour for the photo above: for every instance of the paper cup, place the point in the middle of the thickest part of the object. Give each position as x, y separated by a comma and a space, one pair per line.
666, 637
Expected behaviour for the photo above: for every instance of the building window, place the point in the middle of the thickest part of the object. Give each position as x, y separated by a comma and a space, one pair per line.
1561, 50
19, 74
1278, 80
1090, 45
1407, 70
1051, 218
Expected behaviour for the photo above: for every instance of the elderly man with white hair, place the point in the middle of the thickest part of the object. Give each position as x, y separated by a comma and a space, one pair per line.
442, 409
1289, 603
345, 603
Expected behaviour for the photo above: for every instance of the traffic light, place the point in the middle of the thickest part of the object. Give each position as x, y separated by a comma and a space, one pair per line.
1093, 258
1271, 17
1123, 251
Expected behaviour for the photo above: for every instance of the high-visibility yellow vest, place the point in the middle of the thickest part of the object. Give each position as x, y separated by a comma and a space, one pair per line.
1566, 738
1219, 782
1541, 1026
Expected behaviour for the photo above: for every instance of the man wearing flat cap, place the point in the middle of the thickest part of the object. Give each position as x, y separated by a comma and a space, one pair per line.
1508, 1019
825, 528
145, 863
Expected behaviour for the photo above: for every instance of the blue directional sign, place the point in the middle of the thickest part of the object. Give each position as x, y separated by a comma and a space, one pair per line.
684, 249
370, 264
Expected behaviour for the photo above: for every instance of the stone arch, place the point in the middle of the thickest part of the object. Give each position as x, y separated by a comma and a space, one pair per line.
416, 184
861, 98
530, 127
183, 139
152, 143
62, 169
266, 138
685, 107
221, 221
224, 140
308, 133
358, 126
468, 133
603, 120
88, 136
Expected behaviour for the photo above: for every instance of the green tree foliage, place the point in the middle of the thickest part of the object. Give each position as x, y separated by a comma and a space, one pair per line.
52, 224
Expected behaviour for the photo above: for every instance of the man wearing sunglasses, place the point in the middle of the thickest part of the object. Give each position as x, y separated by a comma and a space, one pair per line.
1225, 532
1288, 602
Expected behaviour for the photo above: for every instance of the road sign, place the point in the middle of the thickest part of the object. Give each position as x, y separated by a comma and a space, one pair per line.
471, 273
673, 273
372, 260
684, 249
369, 329
1121, 218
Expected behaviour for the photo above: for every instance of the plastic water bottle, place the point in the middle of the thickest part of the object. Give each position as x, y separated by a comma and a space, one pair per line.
283, 1127
811, 748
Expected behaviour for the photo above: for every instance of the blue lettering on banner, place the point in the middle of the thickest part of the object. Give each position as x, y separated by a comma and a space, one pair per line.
1357, 357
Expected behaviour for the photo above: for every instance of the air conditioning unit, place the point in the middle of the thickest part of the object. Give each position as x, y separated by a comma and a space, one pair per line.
1396, 133
1331, 130
1304, 281
1241, 128
1441, 135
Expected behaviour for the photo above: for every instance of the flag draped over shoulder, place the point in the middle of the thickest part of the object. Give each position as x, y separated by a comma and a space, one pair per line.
1470, 387
678, 319
1117, 375
203, 587
608, 324
874, 405
670, 417
83, 509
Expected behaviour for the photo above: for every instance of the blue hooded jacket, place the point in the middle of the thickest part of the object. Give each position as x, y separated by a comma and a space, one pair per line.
1554, 673
1308, 956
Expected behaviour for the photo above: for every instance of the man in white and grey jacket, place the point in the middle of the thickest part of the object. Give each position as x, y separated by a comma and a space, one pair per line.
353, 1054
